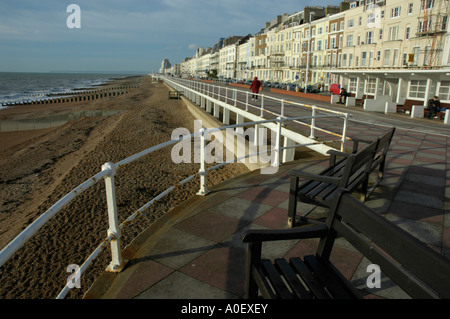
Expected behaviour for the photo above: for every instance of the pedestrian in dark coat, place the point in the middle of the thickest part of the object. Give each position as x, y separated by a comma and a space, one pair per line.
254, 87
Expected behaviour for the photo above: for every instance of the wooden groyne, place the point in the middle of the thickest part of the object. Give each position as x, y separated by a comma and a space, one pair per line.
76, 96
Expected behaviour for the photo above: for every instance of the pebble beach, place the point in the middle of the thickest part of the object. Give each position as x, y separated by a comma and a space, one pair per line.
38, 167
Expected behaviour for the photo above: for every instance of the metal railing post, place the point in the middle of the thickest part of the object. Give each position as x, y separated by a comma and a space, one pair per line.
344, 133
262, 105
235, 97
202, 172
313, 123
282, 108
278, 142
246, 101
117, 262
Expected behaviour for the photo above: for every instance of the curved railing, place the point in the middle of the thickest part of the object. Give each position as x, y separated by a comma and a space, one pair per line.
108, 173
195, 90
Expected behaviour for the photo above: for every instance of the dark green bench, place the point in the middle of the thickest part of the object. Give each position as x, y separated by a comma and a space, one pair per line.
417, 269
350, 171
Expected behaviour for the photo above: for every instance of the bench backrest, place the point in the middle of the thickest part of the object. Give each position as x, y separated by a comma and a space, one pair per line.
361, 161
388, 246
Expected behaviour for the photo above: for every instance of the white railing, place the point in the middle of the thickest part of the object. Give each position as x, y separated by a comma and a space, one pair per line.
237, 100
108, 173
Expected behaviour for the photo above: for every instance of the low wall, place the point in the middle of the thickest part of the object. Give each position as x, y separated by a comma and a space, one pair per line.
310, 96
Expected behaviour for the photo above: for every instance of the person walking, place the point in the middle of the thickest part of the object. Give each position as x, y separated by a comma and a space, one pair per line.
254, 87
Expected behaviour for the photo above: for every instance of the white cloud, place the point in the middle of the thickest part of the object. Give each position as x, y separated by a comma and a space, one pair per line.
193, 47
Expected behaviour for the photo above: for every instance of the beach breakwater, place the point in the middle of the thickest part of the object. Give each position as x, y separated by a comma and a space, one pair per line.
76, 96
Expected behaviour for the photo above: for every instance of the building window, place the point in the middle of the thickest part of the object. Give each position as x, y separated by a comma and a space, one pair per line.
350, 40
426, 4
319, 45
352, 85
425, 26
344, 60
410, 8
381, 35
378, 55
417, 89
407, 32
333, 27
393, 33
351, 23
371, 86
444, 91
363, 59
387, 57
369, 37
426, 56
333, 43
371, 18
395, 13
416, 56
350, 60
396, 52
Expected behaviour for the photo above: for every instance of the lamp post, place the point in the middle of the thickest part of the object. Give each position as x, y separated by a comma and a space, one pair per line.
309, 50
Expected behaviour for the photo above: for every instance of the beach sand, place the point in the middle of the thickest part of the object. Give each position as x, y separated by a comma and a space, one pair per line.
37, 168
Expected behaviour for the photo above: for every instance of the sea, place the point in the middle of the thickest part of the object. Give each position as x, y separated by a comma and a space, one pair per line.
18, 87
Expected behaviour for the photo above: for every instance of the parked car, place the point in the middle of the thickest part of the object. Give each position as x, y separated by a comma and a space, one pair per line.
313, 88
335, 88
275, 85
292, 86
267, 84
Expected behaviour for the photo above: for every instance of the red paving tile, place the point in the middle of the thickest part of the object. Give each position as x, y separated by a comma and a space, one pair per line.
147, 273
265, 195
276, 218
212, 226
222, 267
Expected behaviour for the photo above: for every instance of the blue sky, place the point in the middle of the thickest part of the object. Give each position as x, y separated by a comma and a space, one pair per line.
125, 35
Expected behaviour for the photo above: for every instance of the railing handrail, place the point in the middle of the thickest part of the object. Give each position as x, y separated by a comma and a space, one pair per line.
107, 173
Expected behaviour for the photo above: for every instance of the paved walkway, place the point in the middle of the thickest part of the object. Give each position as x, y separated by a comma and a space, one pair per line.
195, 251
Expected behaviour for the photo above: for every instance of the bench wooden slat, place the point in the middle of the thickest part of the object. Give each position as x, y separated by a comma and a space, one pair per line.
290, 276
275, 279
261, 282
315, 287
331, 282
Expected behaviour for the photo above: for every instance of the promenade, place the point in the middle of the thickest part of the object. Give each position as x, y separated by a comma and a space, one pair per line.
195, 250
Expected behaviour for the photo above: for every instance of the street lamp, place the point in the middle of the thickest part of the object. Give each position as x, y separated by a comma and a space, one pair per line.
309, 50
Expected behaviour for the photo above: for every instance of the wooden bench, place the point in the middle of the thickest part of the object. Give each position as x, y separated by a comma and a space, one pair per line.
379, 160
407, 105
423, 273
319, 189
175, 95
360, 101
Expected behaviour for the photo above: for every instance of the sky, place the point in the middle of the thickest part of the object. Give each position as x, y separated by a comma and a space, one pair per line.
124, 35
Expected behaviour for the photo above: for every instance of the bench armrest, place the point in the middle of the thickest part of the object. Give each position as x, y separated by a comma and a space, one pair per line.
316, 177
338, 153
251, 236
